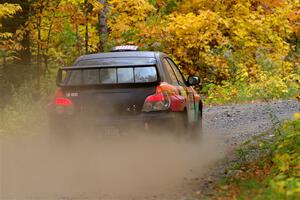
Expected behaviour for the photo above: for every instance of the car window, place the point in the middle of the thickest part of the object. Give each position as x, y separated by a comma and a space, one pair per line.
125, 75
110, 75
91, 76
74, 77
170, 71
145, 74
178, 74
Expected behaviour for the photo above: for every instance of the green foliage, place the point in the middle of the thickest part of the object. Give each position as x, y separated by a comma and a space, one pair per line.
26, 110
170, 6
275, 174
286, 158
268, 88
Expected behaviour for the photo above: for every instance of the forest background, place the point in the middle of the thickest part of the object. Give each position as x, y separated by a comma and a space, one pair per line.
243, 50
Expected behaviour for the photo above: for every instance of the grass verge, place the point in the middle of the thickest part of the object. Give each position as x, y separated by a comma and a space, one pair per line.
273, 174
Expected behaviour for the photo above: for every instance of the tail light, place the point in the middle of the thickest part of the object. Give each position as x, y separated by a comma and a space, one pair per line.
160, 101
62, 104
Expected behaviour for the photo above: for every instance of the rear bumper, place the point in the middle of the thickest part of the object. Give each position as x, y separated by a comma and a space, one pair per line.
155, 118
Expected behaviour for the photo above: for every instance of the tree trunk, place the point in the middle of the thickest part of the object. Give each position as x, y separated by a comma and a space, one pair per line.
39, 23
4, 60
3, 86
86, 39
86, 27
25, 52
46, 55
78, 44
40, 52
103, 30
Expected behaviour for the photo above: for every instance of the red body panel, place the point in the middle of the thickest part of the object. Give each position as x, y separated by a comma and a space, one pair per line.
177, 95
178, 103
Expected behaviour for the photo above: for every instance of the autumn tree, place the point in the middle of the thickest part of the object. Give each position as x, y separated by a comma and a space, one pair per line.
225, 42
7, 43
126, 19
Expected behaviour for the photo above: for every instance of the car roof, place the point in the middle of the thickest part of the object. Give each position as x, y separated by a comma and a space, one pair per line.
124, 54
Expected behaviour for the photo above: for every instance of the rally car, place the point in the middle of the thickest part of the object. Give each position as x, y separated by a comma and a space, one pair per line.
109, 91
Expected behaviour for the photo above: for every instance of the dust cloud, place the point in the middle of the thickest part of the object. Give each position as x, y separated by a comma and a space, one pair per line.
40, 168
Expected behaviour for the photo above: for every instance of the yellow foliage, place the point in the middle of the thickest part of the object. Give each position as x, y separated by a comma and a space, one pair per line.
218, 40
8, 10
242, 47
191, 39
125, 15
296, 116
283, 161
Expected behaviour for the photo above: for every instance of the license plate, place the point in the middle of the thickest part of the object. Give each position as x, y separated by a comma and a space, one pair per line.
111, 131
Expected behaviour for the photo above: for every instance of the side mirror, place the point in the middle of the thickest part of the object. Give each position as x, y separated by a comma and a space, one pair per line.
193, 80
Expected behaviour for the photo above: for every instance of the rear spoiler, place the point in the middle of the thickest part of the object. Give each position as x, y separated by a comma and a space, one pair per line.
60, 70
105, 66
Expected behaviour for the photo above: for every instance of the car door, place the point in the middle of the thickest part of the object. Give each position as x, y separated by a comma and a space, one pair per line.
192, 98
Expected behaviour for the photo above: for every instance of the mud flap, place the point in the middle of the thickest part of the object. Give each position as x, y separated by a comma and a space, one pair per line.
191, 109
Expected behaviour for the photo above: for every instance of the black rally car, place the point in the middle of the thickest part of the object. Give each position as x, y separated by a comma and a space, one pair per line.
123, 87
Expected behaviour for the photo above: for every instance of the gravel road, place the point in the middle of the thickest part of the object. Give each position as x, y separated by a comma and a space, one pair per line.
242, 121
150, 169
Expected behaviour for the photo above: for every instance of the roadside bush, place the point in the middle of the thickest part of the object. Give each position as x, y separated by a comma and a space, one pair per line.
286, 158
267, 88
24, 112
275, 174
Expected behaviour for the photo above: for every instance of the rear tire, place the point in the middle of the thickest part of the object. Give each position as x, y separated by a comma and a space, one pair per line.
193, 131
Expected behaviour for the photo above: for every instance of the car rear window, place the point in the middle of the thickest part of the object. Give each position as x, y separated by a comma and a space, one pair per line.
110, 75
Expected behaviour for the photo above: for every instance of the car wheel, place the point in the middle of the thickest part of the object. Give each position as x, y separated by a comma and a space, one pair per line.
193, 131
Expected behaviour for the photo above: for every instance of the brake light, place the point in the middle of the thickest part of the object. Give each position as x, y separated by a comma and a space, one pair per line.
63, 102
155, 98
157, 102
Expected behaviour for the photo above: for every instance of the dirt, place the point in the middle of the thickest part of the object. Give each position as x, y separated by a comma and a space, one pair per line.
137, 168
